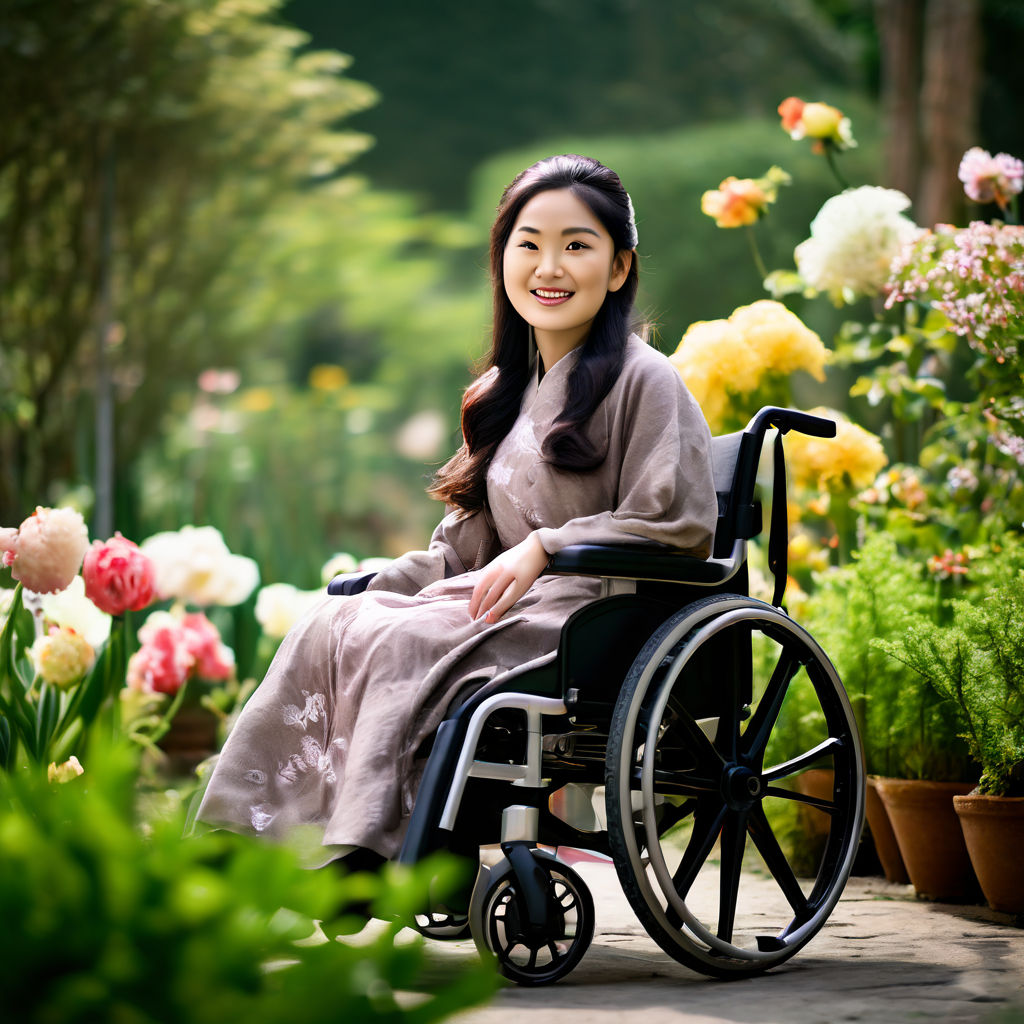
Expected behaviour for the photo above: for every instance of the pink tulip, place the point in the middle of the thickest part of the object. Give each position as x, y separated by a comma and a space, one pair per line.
118, 576
162, 663
213, 660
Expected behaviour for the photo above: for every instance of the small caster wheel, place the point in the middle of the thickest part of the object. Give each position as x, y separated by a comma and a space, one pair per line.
443, 924
532, 953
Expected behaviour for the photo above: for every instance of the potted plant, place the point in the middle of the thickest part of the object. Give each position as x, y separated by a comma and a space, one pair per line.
908, 731
976, 664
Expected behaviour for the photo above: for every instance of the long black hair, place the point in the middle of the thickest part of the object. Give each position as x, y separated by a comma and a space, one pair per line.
491, 403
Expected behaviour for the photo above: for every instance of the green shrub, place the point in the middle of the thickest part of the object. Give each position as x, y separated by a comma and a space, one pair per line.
107, 921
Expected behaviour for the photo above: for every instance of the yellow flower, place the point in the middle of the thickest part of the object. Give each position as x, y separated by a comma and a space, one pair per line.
853, 458
719, 358
328, 377
780, 338
65, 771
715, 360
62, 657
257, 400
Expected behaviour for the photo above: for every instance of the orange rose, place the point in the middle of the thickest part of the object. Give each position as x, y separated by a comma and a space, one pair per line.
818, 121
737, 201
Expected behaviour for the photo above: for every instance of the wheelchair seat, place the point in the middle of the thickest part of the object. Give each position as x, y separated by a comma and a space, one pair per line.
673, 730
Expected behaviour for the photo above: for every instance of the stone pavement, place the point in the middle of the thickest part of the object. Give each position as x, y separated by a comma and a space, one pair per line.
884, 956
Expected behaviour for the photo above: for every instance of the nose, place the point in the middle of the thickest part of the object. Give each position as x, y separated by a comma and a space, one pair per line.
548, 265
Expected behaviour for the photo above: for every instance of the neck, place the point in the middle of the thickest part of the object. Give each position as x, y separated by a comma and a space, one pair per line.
552, 346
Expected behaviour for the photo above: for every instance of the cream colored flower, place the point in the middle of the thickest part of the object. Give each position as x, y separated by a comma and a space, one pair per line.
65, 771
854, 239
194, 565
73, 609
339, 562
46, 551
853, 458
61, 656
280, 605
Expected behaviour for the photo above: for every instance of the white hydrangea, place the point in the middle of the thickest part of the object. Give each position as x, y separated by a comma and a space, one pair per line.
854, 239
194, 565
280, 605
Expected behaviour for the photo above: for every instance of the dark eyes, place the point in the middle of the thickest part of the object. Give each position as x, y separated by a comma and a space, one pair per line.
572, 246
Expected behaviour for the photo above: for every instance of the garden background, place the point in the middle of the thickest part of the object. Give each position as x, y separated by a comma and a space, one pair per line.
243, 284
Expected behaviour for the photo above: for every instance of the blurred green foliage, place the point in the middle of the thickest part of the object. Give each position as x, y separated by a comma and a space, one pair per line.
460, 84
197, 119
107, 921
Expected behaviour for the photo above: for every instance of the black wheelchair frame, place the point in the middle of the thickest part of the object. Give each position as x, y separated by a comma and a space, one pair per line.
645, 737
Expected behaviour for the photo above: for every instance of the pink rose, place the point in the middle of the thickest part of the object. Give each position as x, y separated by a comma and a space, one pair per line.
162, 663
213, 660
46, 550
118, 576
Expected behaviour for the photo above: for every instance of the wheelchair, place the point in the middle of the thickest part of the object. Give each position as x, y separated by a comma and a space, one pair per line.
670, 732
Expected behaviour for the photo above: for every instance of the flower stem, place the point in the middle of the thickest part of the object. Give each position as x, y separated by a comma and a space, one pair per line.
756, 253
830, 156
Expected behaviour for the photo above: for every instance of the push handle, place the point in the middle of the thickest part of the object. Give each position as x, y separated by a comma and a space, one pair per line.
792, 419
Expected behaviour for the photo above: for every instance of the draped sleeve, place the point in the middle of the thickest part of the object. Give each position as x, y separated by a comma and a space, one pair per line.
459, 544
660, 454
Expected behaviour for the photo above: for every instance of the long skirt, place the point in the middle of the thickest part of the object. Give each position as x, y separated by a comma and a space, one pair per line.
325, 751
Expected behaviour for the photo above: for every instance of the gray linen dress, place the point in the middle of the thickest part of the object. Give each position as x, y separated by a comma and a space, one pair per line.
326, 745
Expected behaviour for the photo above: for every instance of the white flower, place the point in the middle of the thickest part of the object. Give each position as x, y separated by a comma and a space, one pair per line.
194, 565
73, 610
280, 605
339, 562
374, 564
854, 239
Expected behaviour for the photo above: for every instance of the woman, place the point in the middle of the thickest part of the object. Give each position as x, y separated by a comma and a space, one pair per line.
577, 432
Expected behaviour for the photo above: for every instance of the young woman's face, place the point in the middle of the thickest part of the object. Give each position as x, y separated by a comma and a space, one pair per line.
559, 264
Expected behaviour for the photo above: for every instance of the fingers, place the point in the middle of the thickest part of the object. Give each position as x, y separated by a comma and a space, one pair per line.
494, 594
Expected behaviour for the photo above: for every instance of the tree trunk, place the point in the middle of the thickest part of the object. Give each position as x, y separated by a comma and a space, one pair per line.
898, 24
949, 105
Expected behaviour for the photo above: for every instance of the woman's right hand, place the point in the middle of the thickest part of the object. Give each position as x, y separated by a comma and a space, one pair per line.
503, 581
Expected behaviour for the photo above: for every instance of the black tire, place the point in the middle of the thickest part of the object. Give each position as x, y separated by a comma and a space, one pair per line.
701, 687
496, 931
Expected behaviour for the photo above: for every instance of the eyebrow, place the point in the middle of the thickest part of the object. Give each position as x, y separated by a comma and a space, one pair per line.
567, 231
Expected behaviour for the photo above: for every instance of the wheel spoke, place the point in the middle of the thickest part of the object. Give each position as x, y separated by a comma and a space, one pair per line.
692, 739
761, 723
827, 748
734, 840
775, 860
707, 823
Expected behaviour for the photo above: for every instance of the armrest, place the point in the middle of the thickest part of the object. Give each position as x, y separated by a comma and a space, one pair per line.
636, 561
349, 583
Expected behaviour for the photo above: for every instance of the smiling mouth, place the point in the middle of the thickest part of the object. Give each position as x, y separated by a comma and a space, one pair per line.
551, 296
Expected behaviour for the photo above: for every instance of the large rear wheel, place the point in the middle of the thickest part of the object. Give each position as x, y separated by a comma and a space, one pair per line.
724, 713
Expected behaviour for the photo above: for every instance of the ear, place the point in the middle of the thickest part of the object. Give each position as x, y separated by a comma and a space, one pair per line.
620, 269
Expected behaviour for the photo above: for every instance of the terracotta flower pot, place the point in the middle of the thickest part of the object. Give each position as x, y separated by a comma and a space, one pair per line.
820, 783
886, 847
929, 837
191, 738
993, 828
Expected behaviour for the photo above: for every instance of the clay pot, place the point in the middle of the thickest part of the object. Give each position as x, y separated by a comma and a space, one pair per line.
929, 836
819, 783
191, 738
993, 828
886, 847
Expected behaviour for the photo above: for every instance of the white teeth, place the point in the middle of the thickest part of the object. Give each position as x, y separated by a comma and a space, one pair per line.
544, 294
